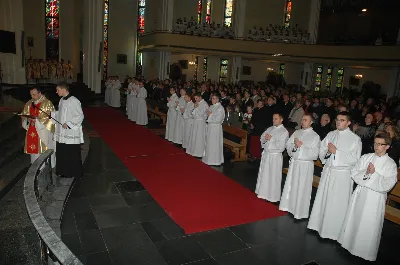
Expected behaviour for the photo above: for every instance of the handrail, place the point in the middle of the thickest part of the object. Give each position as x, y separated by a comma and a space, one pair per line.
51, 245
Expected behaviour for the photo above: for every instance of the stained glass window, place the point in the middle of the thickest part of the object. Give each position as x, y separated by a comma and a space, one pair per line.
288, 11
52, 24
140, 31
318, 78
223, 73
105, 39
199, 9
205, 61
196, 67
340, 73
228, 12
208, 14
329, 78
282, 69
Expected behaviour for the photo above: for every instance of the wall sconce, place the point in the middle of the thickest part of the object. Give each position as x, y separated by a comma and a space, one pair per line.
270, 69
358, 76
192, 63
278, 54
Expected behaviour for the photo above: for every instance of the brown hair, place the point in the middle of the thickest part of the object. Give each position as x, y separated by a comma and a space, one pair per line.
385, 137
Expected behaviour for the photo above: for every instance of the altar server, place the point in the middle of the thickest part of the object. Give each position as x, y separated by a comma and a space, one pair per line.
214, 151
187, 120
141, 115
339, 152
303, 148
115, 99
128, 97
171, 115
107, 94
375, 175
178, 131
39, 128
69, 135
134, 101
197, 139
273, 140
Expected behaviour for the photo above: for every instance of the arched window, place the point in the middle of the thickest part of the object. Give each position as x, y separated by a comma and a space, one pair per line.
228, 12
329, 78
52, 29
340, 74
205, 61
288, 10
223, 71
208, 14
140, 31
105, 39
199, 9
318, 78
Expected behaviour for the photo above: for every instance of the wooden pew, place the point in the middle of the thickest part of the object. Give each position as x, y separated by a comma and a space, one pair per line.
238, 149
392, 213
156, 112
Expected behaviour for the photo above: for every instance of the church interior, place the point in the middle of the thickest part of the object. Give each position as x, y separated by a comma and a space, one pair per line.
190, 119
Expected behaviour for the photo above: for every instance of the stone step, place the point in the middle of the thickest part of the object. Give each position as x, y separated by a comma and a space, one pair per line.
12, 172
12, 147
9, 129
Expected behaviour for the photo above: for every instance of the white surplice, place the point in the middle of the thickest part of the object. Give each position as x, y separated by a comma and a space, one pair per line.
270, 173
115, 99
296, 193
178, 131
362, 228
187, 123
335, 185
141, 114
214, 151
197, 139
107, 93
171, 118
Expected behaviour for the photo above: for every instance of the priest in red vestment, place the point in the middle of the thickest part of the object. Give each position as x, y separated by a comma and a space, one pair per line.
39, 127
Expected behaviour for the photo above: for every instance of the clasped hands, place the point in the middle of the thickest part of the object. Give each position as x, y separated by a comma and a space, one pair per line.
370, 168
297, 143
268, 137
331, 148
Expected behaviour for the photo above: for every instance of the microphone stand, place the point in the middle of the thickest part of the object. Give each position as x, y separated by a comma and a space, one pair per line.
48, 115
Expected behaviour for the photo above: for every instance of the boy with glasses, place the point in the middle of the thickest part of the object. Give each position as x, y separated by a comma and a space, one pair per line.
375, 175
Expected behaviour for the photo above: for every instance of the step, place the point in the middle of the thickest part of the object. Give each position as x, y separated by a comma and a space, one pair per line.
13, 172
12, 148
9, 129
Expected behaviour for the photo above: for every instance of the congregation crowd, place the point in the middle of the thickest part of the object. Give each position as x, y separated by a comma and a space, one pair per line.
355, 137
191, 27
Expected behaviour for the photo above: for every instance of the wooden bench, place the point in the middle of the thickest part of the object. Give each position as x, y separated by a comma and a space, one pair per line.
157, 112
392, 213
239, 149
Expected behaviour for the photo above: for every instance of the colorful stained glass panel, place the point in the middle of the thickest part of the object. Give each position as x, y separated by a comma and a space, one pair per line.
142, 3
52, 8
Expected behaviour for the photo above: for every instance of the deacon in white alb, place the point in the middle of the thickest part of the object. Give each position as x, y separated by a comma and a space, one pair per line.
197, 139
303, 148
214, 152
375, 175
141, 114
178, 131
171, 115
339, 152
69, 135
273, 140
187, 120
115, 94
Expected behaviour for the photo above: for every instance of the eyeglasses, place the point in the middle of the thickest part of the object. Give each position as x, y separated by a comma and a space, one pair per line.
337, 120
379, 144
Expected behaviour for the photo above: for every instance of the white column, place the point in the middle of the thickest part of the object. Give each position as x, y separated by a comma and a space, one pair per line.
235, 68
11, 19
394, 82
164, 62
239, 17
92, 43
398, 38
308, 76
313, 23
213, 68
167, 14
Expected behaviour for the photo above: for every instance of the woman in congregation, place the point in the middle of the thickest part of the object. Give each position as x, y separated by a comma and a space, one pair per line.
171, 115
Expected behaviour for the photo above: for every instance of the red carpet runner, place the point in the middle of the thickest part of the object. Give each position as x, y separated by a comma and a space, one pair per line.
197, 197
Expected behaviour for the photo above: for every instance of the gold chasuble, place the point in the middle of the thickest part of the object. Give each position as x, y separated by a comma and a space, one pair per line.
33, 143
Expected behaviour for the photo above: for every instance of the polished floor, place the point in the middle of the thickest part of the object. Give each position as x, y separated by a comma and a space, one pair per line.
110, 218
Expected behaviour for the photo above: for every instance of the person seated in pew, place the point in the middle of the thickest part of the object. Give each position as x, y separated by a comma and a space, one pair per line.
214, 151
273, 140
303, 148
375, 175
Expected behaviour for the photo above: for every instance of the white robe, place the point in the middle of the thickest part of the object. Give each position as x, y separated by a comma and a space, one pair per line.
141, 114
134, 103
187, 123
214, 151
362, 228
335, 186
107, 93
115, 99
129, 99
197, 139
178, 131
270, 173
296, 194
69, 112
171, 118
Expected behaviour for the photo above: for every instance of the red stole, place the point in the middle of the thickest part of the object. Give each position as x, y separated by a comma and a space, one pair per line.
32, 139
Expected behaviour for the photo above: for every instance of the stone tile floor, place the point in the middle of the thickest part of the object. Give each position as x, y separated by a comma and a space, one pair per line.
111, 219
